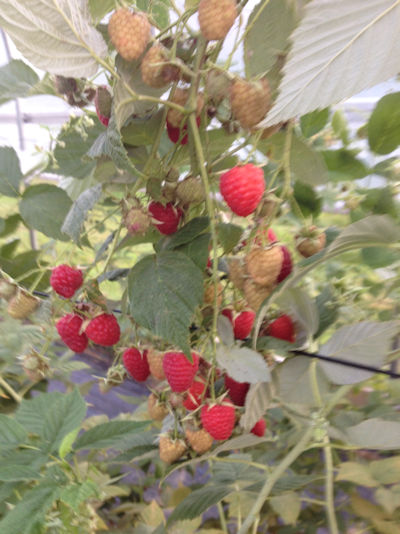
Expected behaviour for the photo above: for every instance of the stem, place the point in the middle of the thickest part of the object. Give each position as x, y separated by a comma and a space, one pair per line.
329, 491
224, 526
275, 475
10, 390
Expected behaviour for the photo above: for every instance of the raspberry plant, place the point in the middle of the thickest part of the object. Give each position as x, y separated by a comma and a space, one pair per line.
188, 226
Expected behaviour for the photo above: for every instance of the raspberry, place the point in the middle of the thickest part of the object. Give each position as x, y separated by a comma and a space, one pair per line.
236, 271
136, 221
287, 265
157, 410
156, 72
68, 328
271, 235
218, 419
136, 364
242, 188
166, 218
259, 428
310, 241
34, 366
191, 190
200, 440
171, 449
104, 330
175, 133
209, 293
64, 85
250, 101
264, 264
282, 328
129, 33
255, 294
237, 390
216, 17
174, 117
228, 313
194, 395
155, 359
65, 280
179, 371
21, 305
243, 324
103, 102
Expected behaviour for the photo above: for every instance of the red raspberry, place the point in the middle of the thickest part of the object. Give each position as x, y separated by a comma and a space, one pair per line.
272, 235
193, 395
175, 132
287, 265
166, 218
179, 371
259, 428
136, 364
228, 313
282, 328
242, 188
237, 390
219, 419
243, 324
68, 328
104, 330
65, 280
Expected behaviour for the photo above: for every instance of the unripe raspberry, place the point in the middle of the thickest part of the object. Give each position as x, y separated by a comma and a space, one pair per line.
129, 33
174, 117
200, 440
156, 72
135, 219
255, 294
191, 190
157, 410
171, 449
103, 103
216, 17
264, 264
237, 271
250, 101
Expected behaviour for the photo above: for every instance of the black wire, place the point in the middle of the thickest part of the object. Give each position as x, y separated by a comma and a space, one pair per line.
346, 363
329, 359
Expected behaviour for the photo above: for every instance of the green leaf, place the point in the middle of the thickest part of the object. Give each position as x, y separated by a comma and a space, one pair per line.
76, 216
59, 40
16, 80
389, 499
198, 250
141, 131
375, 434
294, 382
287, 506
10, 172
10, 224
198, 502
318, 76
229, 235
73, 142
343, 165
157, 9
243, 364
314, 122
386, 470
30, 509
62, 417
309, 202
44, 208
11, 432
99, 9
380, 201
76, 494
340, 126
267, 33
357, 473
327, 309
118, 435
124, 106
187, 233
384, 125
258, 399
376, 257
306, 164
164, 291
66, 443
15, 473
366, 343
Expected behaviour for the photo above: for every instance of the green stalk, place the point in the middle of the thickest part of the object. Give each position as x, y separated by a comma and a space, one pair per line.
329, 490
274, 477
